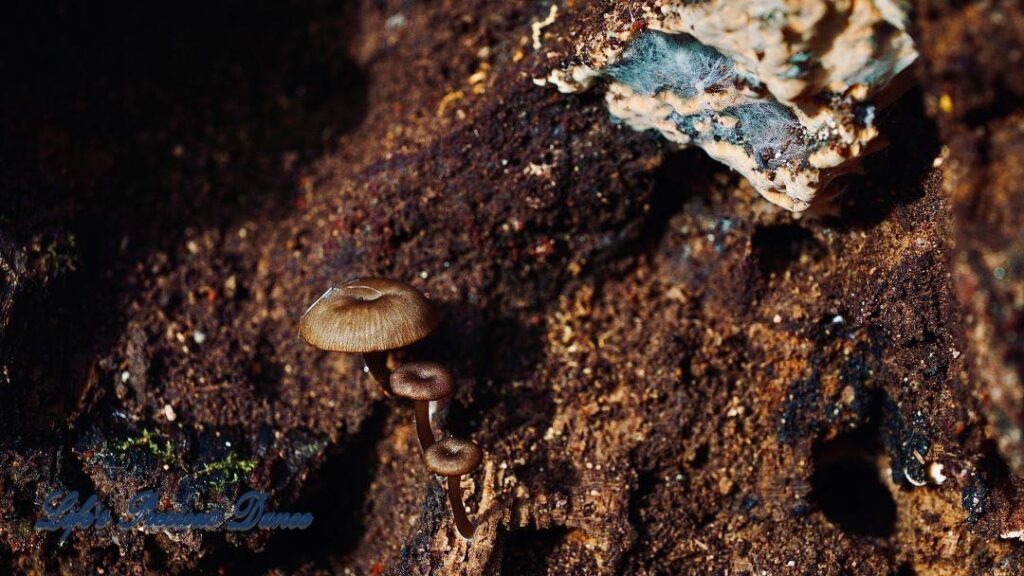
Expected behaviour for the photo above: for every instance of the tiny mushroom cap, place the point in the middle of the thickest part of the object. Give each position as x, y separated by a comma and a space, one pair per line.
368, 315
453, 457
422, 381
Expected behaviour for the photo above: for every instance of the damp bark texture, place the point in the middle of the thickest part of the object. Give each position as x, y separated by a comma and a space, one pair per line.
667, 373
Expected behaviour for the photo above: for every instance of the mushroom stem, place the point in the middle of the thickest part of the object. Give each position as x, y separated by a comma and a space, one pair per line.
439, 410
462, 521
423, 429
377, 363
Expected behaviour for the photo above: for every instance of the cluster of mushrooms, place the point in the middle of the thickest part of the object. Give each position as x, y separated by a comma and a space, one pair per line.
372, 316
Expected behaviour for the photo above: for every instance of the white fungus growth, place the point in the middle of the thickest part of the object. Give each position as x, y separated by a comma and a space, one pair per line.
772, 133
655, 62
785, 93
690, 92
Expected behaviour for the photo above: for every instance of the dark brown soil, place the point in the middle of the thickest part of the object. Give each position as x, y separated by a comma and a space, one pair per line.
668, 375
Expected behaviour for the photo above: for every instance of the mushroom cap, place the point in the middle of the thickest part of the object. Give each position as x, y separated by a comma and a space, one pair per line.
453, 457
368, 315
422, 381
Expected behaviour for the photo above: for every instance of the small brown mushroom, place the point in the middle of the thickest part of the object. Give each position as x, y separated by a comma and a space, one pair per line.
453, 457
369, 316
424, 383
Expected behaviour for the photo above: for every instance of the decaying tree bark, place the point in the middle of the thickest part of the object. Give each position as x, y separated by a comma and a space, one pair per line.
668, 374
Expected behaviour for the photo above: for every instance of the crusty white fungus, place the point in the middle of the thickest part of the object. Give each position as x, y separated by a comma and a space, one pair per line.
783, 91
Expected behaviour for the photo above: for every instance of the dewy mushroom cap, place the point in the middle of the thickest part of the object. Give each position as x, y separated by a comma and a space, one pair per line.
368, 315
453, 457
422, 381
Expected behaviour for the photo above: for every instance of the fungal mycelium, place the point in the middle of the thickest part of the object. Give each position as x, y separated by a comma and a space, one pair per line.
371, 316
786, 92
